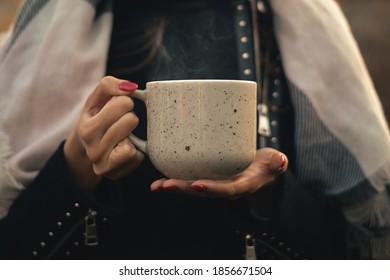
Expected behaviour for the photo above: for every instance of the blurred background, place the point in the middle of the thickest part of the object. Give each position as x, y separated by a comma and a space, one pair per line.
370, 24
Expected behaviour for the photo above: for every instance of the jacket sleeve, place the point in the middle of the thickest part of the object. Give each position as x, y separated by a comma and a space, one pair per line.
51, 213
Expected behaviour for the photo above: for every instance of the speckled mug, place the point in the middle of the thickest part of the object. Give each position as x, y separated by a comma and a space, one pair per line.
199, 129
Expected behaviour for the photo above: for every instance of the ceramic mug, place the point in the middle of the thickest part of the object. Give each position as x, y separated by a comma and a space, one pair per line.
199, 129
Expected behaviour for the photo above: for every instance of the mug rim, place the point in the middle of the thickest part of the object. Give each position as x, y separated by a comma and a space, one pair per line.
202, 80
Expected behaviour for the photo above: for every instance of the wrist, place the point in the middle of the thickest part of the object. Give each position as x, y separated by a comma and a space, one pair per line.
80, 167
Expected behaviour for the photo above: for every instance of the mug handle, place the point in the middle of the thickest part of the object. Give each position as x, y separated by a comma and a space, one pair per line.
139, 143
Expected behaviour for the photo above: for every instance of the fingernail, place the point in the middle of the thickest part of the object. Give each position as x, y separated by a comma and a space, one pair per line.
283, 163
170, 188
199, 188
127, 86
159, 189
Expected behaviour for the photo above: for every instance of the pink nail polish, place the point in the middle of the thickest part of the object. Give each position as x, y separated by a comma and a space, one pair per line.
283, 163
127, 86
199, 188
284, 160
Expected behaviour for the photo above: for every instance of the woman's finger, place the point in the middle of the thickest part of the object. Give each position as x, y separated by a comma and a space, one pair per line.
109, 86
123, 159
113, 140
157, 185
114, 109
93, 128
266, 167
119, 131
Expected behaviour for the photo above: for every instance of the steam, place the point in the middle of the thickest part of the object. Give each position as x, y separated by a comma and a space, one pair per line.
198, 46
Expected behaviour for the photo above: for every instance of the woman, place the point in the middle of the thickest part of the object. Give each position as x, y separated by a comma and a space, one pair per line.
91, 194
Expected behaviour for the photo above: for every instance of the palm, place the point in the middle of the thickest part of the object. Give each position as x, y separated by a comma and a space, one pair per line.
264, 169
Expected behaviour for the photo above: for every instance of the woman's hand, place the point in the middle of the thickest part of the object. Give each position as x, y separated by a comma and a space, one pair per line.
99, 145
266, 167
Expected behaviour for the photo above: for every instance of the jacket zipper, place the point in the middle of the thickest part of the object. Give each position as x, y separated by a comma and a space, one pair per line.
91, 229
264, 129
90, 232
250, 248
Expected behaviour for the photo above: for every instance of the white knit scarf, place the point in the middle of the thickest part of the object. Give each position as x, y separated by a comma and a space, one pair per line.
57, 54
